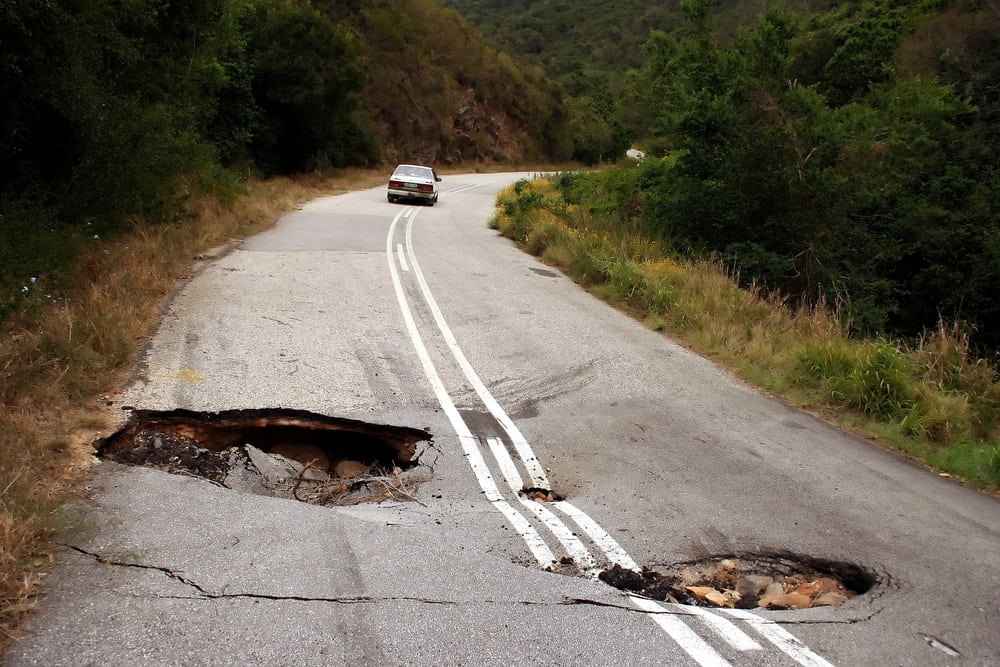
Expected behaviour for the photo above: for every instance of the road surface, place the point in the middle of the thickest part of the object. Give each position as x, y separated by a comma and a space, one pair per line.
423, 317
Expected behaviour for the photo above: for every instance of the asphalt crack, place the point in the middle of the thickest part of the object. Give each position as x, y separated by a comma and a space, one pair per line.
205, 594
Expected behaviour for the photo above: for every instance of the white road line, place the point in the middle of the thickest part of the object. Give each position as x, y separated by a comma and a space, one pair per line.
527, 456
735, 637
574, 547
462, 188
506, 464
535, 543
686, 638
604, 541
601, 538
781, 638
402, 257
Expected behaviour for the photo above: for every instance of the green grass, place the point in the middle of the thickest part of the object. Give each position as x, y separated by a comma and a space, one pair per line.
932, 401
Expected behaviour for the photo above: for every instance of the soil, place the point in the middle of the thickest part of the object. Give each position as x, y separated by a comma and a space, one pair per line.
774, 580
174, 454
541, 495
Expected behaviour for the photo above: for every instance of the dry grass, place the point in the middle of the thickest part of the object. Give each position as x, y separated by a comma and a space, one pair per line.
933, 401
63, 354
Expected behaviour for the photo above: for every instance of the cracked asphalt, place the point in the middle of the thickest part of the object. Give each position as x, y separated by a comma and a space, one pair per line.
671, 455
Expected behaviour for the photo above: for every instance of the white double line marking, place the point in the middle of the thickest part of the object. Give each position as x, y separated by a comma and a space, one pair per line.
535, 543
781, 638
600, 537
574, 547
402, 257
667, 619
462, 188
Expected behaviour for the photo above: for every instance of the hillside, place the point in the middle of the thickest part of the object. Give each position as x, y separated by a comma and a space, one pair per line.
436, 92
567, 39
127, 109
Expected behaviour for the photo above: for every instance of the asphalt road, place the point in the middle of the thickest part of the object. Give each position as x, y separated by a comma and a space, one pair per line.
424, 317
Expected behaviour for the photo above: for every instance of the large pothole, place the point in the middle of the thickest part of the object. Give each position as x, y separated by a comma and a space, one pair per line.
778, 580
277, 452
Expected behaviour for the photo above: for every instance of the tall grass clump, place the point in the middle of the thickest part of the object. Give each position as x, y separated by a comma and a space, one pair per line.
71, 343
931, 399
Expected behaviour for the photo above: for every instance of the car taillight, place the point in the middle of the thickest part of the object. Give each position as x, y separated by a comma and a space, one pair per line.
395, 184
425, 188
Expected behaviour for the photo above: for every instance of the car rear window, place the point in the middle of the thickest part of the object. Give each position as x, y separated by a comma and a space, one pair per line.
418, 172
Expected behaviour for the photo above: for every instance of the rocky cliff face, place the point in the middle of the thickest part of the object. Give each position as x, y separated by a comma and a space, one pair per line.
437, 93
465, 127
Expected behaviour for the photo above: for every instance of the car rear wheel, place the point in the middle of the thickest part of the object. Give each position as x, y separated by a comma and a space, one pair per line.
390, 198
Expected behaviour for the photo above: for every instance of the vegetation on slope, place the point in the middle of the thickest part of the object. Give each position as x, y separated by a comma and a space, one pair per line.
588, 46
574, 40
436, 92
113, 110
843, 168
804, 156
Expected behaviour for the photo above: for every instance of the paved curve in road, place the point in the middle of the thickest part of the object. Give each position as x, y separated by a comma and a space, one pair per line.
424, 317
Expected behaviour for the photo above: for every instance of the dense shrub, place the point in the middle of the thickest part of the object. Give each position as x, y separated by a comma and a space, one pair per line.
801, 157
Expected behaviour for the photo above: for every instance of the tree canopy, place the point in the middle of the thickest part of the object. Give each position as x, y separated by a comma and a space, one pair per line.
850, 156
113, 110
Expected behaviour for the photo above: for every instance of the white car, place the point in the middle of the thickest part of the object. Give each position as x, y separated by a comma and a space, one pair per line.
414, 181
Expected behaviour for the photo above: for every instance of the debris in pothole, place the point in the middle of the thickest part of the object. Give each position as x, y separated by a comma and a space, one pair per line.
540, 494
266, 473
280, 453
773, 581
175, 454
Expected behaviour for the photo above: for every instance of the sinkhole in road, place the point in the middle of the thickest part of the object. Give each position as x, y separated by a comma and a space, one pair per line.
277, 452
772, 580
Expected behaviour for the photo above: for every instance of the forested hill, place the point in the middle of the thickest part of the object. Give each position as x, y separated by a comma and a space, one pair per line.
436, 92
112, 110
849, 156
580, 38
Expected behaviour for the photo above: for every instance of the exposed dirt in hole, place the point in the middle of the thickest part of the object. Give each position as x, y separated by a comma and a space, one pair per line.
276, 452
173, 453
541, 495
748, 581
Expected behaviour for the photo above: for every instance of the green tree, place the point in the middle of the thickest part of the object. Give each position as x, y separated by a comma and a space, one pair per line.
814, 169
307, 81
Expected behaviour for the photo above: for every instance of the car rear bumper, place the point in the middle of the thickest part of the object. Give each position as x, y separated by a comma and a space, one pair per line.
410, 194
